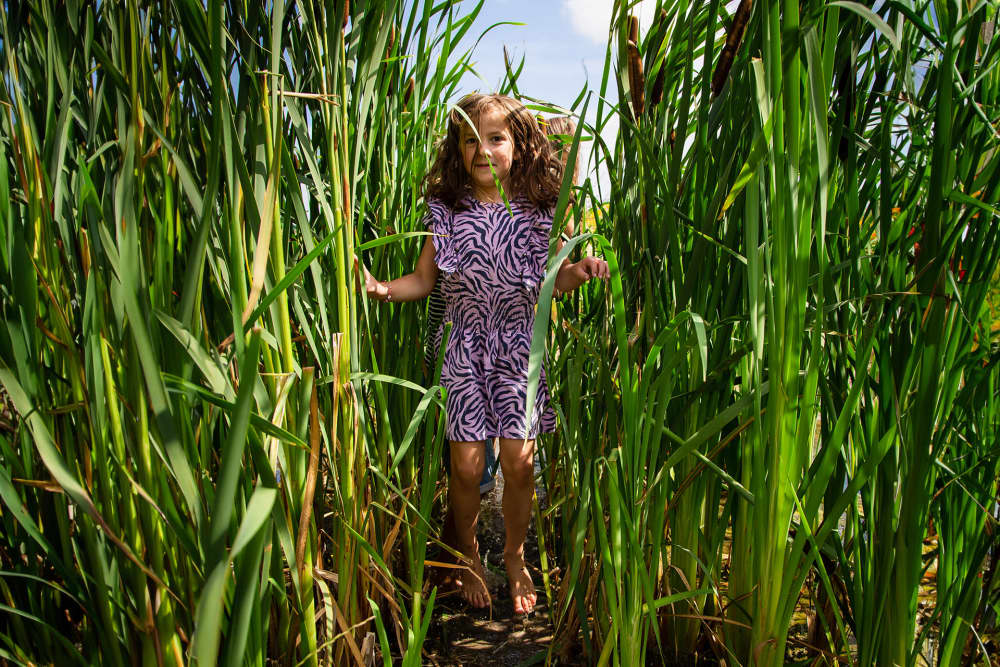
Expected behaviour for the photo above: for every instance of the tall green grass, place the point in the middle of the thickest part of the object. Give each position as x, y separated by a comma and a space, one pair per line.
199, 455
213, 451
803, 215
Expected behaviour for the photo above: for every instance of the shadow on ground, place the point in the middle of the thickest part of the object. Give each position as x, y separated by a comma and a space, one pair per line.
461, 635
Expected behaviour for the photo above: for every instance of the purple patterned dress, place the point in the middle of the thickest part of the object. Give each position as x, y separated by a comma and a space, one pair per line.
492, 266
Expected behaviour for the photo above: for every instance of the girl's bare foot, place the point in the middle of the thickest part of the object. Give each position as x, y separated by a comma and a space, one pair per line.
522, 589
472, 583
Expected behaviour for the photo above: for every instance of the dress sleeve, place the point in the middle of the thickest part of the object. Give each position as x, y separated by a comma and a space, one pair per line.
439, 221
537, 258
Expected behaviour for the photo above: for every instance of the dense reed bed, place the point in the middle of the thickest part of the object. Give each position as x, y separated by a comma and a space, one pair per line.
785, 400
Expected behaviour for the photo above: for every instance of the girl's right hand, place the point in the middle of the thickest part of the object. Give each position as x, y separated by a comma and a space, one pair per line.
374, 289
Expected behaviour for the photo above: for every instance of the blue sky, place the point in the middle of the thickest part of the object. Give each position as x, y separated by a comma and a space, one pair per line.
563, 43
559, 57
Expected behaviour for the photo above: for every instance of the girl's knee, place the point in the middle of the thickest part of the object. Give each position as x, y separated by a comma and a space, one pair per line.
517, 459
519, 471
468, 472
467, 462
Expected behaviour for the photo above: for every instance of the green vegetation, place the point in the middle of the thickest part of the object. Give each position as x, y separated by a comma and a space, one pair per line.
213, 451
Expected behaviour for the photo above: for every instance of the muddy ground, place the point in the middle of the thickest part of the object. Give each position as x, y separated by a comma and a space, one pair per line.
462, 636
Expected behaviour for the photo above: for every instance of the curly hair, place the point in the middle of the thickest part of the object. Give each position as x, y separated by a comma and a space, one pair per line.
535, 173
560, 130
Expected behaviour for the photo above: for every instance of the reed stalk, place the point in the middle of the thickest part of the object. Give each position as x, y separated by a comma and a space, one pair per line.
212, 451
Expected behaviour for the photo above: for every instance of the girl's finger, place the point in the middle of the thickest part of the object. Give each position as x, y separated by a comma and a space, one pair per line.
360, 270
363, 268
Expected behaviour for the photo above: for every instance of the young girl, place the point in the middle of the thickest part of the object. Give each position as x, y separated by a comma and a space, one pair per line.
560, 131
492, 261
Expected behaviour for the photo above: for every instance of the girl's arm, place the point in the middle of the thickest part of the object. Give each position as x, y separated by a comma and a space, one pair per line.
411, 287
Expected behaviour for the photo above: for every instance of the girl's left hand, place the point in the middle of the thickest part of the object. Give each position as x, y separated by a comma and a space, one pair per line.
591, 267
375, 289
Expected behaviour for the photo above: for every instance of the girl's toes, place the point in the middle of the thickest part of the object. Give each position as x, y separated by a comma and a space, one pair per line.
522, 589
475, 598
473, 585
524, 604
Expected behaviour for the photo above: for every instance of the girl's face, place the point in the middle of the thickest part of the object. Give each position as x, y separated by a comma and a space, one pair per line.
496, 148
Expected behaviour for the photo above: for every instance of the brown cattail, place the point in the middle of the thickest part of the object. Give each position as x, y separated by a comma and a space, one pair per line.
346, 186
408, 93
391, 43
347, 14
656, 95
392, 72
633, 28
635, 80
733, 40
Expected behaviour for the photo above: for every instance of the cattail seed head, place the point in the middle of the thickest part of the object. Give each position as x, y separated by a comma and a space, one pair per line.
636, 81
733, 40
656, 95
392, 42
408, 93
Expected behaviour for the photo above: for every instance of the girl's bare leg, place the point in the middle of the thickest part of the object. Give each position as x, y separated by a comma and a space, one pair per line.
518, 463
467, 461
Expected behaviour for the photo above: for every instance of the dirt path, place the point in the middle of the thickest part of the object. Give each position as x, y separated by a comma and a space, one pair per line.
460, 635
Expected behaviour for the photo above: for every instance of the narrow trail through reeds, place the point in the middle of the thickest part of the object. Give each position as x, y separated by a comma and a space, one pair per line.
214, 451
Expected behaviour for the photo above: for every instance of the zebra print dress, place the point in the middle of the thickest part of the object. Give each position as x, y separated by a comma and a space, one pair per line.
492, 265
433, 330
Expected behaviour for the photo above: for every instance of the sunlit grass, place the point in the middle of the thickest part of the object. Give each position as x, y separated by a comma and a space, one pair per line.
214, 451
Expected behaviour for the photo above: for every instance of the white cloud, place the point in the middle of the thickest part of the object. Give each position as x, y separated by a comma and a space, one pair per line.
591, 18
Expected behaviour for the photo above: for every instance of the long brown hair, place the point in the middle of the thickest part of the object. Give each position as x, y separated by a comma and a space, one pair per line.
535, 173
560, 131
